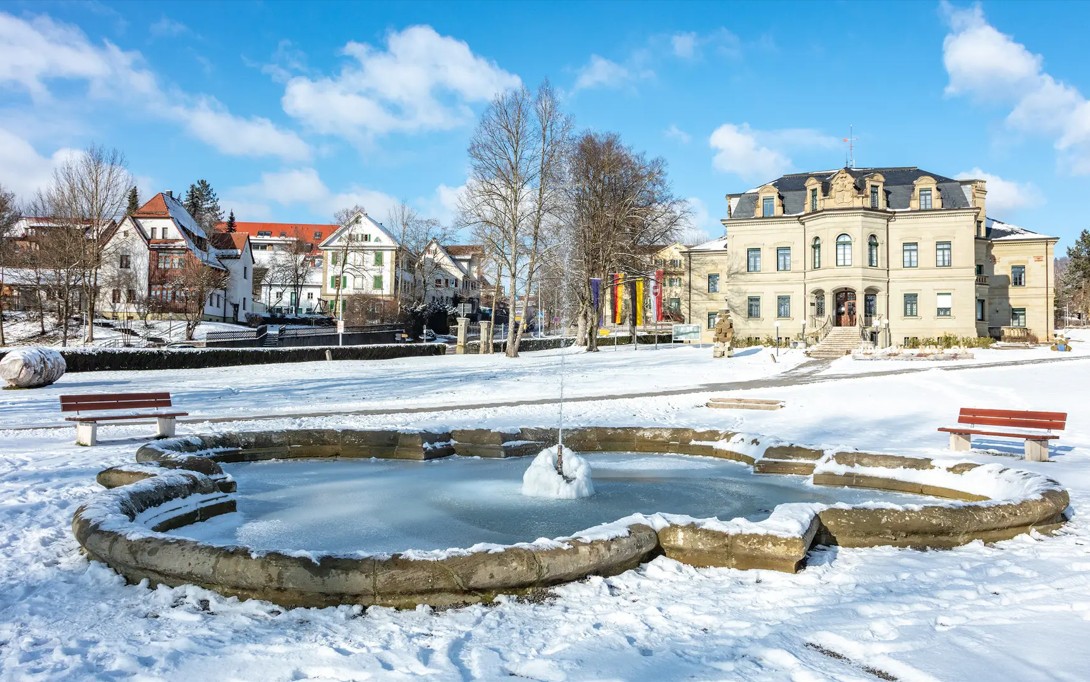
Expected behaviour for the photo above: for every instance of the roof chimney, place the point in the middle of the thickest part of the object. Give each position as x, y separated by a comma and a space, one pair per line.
170, 193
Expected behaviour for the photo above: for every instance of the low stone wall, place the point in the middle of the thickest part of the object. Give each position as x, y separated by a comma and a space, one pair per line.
179, 481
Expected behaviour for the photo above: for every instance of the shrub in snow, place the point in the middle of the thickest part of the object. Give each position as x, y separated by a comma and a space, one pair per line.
543, 480
104, 359
32, 367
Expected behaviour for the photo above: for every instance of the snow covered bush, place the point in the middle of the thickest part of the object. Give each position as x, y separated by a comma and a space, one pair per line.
543, 480
32, 367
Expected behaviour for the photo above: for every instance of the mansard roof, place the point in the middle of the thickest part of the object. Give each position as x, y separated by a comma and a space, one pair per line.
898, 183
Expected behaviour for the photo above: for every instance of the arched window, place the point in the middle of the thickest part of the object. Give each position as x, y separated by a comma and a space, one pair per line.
843, 250
872, 251
815, 253
819, 305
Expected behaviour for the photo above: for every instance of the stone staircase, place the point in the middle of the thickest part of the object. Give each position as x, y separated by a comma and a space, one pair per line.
837, 343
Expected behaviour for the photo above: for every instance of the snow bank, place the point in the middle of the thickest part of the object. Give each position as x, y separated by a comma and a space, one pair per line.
542, 480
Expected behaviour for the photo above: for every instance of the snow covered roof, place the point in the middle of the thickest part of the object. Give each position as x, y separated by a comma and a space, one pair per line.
360, 220
997, 230
714, 245
898, 184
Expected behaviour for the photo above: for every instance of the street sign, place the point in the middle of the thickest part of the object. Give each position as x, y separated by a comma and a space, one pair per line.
465, 309
340, 326
686, 332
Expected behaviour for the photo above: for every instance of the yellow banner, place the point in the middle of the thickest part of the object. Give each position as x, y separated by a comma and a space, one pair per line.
639, 301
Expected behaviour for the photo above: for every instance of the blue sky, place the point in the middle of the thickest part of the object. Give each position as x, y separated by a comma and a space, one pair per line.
293, 111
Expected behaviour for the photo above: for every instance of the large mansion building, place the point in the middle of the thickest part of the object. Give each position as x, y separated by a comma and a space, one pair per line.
899, 253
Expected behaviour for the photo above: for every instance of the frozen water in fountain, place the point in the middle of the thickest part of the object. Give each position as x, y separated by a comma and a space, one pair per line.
545, 478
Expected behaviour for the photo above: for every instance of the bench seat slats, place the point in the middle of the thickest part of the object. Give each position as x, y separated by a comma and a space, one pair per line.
110, 417
980, 432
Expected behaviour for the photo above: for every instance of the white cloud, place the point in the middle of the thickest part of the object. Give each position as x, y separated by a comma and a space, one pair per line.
22, 169
1005, 195
684, 45
304, 187
675, 133
600, 72
701, 227
210, 122
990, 66
760, 155
39, 50
168, 28
421, 81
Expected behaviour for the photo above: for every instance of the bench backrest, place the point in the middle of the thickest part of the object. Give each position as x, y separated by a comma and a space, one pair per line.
1018, 419
113, 401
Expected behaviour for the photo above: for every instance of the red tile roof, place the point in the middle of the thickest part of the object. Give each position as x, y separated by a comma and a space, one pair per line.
304, 231
229, 240
156, 207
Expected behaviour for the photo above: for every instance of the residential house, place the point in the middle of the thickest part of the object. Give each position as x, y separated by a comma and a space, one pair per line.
289, 263
146, 254
362, 258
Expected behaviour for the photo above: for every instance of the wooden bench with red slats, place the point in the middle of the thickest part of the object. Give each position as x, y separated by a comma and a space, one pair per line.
1035, 428
87, 424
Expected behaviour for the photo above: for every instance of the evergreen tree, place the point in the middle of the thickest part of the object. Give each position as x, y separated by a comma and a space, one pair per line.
134, 201
192, 202
1078, 267
231, 221
203, 204
1076, 278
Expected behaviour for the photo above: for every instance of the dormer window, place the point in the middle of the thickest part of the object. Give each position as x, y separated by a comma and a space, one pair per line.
768, 207
813, 199
874, 196
925, 199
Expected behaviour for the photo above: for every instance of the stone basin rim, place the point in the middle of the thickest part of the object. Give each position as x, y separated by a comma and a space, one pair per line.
178, 481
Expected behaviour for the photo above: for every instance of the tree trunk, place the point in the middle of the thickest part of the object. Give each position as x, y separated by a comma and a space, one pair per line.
581, 325
512, 349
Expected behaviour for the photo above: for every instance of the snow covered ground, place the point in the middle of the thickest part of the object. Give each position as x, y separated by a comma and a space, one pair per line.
20, 330
1014, 610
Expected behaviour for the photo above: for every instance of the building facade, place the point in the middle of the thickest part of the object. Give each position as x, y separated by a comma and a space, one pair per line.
898, 253
362, 258
289, 264
149, 258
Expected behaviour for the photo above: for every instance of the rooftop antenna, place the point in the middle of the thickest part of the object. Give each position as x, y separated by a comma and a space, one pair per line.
850, 139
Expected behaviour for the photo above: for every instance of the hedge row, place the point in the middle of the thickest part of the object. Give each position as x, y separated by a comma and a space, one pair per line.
532, 344
102, 359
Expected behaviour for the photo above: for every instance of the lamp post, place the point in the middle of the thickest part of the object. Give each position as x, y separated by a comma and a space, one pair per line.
777, 338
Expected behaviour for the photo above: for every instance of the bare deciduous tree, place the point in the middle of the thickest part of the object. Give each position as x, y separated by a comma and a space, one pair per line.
89, 191
192, 284
415, 233
620, 204
517, 159
292, 266
9, 216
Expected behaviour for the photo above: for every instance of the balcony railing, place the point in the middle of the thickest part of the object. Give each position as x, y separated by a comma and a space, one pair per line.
982, 280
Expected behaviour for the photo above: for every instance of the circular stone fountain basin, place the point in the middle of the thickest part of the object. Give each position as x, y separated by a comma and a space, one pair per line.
367, 507
142, 526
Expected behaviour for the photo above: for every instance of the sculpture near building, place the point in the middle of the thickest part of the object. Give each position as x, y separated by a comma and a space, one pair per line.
723, 335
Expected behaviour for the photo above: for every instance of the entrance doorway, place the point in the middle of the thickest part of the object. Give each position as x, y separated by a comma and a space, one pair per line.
845, 308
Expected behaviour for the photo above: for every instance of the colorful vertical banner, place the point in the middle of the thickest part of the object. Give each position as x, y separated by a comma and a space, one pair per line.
658, 293
639, 301
595, 292
618, 296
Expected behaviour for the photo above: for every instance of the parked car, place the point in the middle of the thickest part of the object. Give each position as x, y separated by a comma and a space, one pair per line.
428, 335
